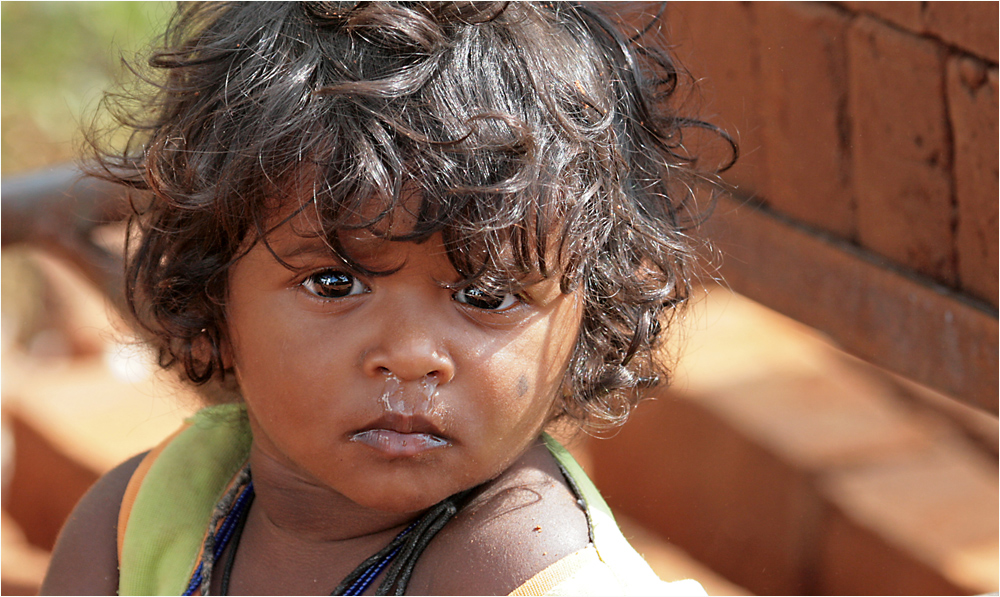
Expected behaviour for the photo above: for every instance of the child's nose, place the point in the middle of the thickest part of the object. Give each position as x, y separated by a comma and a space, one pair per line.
411, 355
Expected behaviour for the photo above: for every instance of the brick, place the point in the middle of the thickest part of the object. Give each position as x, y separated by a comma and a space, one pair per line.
716, 494
919, 331
23, 565
782, 475
788, 468
45, 485
83, 405
818, 421
901, 172
855, 561
937, 505
717, 43
803, 98
971, 26
904, 14
972, 103
670, 562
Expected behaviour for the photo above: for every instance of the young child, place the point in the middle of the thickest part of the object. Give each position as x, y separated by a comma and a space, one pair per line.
394, 243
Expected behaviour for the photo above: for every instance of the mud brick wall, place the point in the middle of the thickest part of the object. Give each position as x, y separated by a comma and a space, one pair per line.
865, 200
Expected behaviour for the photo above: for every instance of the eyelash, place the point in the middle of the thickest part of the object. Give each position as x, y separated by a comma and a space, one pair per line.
510, 300
312, 282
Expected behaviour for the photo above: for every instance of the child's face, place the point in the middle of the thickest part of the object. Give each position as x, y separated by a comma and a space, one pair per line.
394, 391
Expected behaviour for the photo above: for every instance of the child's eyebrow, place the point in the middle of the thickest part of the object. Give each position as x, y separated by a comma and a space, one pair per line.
308, 247
318, 248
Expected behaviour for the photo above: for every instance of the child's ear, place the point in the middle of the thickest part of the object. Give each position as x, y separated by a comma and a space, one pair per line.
212, 349
228, 386
226, 353
224, 386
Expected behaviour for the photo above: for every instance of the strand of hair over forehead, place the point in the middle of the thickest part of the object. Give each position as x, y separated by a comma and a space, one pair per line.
533, 138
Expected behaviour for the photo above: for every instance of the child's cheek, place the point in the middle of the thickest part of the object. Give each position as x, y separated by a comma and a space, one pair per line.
527, 373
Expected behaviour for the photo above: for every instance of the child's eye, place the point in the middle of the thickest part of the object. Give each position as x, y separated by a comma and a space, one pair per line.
485, 299
330, 284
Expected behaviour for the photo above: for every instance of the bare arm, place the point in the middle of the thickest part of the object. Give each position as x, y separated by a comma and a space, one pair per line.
85, 558
57, 210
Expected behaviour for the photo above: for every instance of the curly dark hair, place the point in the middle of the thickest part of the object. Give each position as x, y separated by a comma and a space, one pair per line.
537, 131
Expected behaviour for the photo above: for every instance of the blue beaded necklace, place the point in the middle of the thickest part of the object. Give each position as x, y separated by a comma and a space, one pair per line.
216, 542
406, 546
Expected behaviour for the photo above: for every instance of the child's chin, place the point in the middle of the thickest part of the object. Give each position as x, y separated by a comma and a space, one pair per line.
401, 500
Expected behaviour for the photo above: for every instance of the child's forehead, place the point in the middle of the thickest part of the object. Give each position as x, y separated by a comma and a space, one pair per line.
298, 234
311, 204
370, 251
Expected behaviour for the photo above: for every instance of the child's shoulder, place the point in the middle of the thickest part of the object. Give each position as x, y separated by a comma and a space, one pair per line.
523, 522
541, 528
85, 558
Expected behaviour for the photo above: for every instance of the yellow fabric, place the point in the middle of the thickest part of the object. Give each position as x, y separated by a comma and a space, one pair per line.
566, 568
585, 573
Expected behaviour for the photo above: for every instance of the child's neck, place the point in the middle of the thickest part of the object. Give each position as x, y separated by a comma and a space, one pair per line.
293, 505
301, 538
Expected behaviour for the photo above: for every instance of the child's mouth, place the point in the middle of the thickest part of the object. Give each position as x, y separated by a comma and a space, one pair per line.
399, 445
400, 436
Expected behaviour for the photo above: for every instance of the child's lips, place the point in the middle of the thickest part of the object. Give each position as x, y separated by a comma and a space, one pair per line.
399, 445
399, 436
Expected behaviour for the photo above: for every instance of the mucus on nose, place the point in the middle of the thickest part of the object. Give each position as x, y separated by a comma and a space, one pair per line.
398, 398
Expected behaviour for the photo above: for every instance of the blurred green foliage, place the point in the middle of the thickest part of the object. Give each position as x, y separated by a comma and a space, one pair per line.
57, 60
